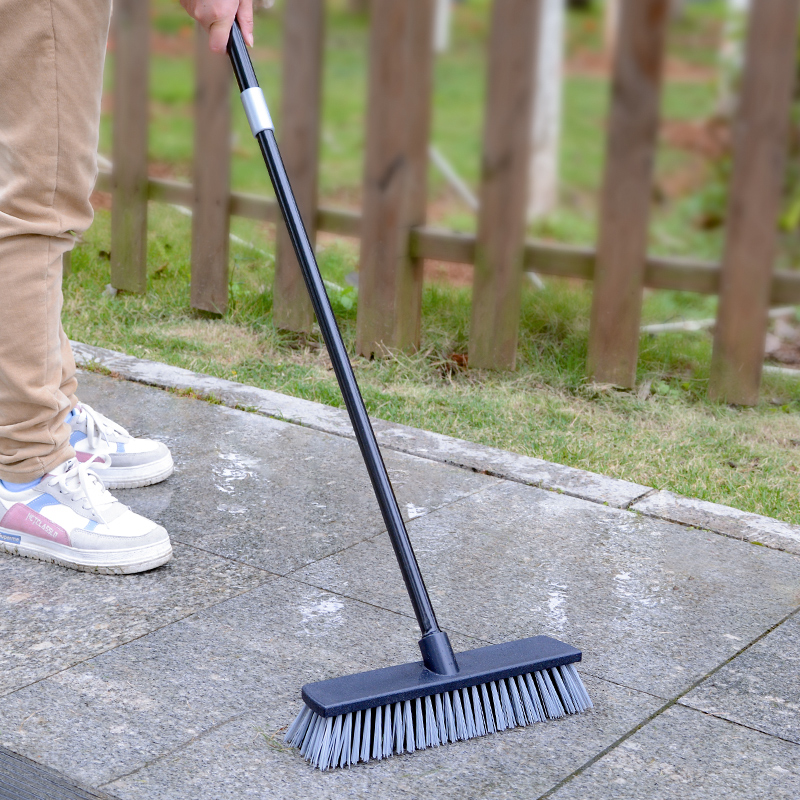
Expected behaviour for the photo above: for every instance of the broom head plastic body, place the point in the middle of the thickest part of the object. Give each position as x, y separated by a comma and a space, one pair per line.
376, 714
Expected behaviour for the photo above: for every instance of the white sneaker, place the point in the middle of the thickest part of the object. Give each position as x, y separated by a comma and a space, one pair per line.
69, 518
133, 462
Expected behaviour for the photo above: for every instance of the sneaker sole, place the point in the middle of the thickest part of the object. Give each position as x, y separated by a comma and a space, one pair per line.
104, 562
136, 477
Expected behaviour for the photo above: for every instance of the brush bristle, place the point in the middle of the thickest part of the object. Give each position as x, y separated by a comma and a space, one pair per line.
383, 731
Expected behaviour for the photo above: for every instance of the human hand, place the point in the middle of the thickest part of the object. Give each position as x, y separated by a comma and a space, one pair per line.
217, 16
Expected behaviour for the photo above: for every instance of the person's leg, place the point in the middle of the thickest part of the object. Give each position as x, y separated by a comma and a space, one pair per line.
48, 165
51, 60
52, 507
69, 381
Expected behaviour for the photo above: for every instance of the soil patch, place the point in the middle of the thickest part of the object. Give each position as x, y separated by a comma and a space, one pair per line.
596, 64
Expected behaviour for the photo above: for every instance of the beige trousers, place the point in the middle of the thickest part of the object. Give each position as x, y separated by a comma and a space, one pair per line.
51, 69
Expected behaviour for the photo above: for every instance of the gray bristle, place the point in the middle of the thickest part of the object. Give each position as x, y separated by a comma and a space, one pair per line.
420, 740
398, 728
377, 747
499, 714
487, 710
380, 732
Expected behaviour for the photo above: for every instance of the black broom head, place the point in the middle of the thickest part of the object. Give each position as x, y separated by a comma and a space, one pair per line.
376, 714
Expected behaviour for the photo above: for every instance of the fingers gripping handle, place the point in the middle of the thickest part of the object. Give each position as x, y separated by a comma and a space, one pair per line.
240, 60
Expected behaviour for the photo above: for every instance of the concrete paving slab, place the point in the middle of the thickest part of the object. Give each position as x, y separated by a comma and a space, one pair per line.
402, 438
653, 605
52, 617
722, 519
264, 492
761, 687
112, 714
682, 755
511, 466
243, 759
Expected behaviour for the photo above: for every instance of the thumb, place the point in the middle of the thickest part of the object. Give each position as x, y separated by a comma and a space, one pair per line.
245, 18
218, 34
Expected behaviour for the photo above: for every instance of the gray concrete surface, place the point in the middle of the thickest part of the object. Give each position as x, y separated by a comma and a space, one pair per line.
177, 683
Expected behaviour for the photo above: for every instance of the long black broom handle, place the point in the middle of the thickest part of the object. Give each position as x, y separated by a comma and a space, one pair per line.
436, 650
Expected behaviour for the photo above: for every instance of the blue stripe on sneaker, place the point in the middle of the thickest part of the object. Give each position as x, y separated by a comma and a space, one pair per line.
20, 487
91, 526
76, 436
120, 447
42, 501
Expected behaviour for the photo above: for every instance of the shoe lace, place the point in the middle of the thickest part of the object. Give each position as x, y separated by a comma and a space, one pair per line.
81, 482
99, 427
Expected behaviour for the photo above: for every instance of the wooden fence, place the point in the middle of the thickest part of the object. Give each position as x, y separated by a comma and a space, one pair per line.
394, 236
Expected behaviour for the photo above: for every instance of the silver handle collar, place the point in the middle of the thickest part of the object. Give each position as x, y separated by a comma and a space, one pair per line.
255, 107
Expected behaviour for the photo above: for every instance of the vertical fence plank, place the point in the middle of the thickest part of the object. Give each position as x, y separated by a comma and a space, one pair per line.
760, 140
418, 102
212, 174
497, 284
129, 147
626, 192
303, 47
398, 115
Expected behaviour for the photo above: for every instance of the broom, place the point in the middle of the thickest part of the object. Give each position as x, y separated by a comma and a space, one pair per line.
443, 698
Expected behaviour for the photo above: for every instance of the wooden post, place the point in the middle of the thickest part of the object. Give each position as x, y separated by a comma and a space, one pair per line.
497, 285
626, 192
303, 45
395, 187
129, 147
212, 175
760, 140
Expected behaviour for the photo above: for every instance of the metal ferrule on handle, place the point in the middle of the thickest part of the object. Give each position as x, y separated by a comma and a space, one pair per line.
437, 652
255, 108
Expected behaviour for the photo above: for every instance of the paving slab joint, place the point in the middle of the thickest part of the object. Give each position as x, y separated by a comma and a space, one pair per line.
669, 704
641, 497
719, 519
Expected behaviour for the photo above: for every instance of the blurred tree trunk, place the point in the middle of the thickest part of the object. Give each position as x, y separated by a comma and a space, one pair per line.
444, 11
610, 27
546, 128
731, 57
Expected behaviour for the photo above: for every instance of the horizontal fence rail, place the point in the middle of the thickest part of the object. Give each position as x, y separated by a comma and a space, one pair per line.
437, 244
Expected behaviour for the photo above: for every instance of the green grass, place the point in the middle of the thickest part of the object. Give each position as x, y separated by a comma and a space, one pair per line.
665, 434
